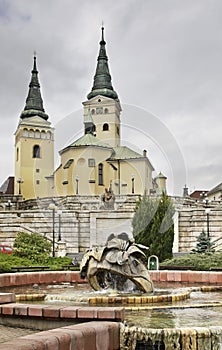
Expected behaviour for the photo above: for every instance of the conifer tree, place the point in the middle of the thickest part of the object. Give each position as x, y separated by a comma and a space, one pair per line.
153, 225
204, 244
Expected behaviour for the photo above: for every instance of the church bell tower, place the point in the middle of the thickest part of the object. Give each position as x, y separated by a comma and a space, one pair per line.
103, 102
34, 145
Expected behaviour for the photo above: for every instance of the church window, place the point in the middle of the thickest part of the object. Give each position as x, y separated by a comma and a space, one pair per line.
43, 135
25, 132
117, 130
37, 134
48, 135
93, 111
68, 163
37, 170
106, 110
105, 127
91, 162
37, 182
31, 133
100, 174
99, 110
17, 154
36, 151
99, 100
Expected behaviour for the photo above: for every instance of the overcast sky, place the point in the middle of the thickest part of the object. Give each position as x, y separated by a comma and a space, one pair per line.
165, 58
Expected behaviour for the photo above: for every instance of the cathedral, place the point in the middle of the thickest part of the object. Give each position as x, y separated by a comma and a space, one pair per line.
95, 163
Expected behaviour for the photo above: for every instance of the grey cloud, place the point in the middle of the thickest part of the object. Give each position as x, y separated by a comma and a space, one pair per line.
164, 56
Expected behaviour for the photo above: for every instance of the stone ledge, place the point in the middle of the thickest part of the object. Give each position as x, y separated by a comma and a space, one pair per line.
63, 313
86, 336
7, 298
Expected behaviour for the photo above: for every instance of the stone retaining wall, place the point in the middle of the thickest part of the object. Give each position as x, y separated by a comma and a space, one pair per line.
84, 224
192, 220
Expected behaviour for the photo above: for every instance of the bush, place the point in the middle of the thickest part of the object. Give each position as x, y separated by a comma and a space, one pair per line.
33, 247
58, 262
8, 261
201, 262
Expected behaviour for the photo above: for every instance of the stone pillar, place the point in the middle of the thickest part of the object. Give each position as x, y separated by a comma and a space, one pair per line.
176, 232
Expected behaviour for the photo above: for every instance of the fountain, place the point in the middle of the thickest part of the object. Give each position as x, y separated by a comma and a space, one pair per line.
118, 266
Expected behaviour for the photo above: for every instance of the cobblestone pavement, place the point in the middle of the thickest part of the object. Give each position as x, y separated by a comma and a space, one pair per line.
9, 333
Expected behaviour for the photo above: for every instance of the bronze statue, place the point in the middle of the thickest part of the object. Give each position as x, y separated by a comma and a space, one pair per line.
117, 265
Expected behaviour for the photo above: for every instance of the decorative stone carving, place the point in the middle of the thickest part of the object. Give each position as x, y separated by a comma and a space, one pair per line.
108, 200
117, 265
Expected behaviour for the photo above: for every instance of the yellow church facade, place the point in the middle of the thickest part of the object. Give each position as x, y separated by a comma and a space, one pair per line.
90, 165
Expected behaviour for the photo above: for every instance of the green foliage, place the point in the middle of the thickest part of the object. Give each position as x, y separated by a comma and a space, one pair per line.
9, 261
33, 246
58, 263
201, 262
153, 225
204, 244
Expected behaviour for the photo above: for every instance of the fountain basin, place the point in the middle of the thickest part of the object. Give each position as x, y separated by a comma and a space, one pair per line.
126, 337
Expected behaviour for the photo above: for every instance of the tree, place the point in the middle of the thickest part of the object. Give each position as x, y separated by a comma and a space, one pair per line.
32, 246
153, 225
204, 244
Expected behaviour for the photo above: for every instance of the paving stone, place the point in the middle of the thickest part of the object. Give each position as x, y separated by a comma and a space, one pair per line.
10, 333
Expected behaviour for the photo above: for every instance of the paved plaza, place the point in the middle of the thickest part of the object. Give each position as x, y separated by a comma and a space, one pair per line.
10, 333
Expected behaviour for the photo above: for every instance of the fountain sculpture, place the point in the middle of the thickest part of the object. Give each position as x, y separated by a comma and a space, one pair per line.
118, 266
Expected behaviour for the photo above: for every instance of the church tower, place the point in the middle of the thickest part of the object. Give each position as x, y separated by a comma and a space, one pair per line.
103, 103
34, 145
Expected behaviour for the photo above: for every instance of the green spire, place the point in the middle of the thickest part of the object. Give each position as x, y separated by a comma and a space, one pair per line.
102, 80
34, 103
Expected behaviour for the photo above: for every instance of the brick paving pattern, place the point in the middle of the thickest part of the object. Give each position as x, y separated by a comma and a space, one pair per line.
10, 333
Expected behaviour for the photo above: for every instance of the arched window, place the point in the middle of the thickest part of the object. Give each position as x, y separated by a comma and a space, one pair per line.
100, 174
105, 127
31, 133
43, 135
25, 132
17, 153
37, 134
106, 110
36, 151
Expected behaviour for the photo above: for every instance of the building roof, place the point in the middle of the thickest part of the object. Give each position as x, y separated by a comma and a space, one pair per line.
87, 140
102, 84
198, 194
215, 189
34, 103
160, 176
124, 152
8, 186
